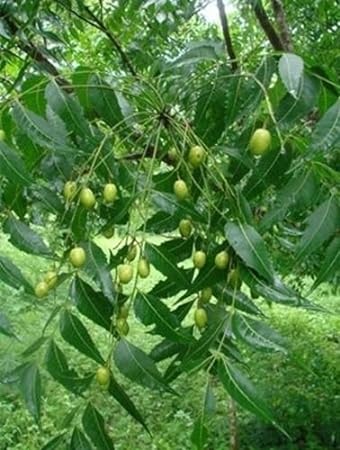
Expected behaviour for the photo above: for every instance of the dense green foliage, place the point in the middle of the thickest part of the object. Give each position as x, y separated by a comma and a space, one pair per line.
125, 118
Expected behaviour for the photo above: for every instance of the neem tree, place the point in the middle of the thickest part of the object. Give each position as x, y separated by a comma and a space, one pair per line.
232, 162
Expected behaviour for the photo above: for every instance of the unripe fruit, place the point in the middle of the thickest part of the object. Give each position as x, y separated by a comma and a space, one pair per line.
69, 191
110, 192
199, 259
196, 156
41, 289
103, 376
185, 228
206, 295
132, 252
122, 327
87, 198
51, 279
2, 135
143, 268
77, 257
173, 155
109, 232
221, 260
125, 273
200, 318
234, 279
123, 311
260, 141
181, 189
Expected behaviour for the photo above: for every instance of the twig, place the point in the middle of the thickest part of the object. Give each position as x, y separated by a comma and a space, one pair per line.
266, 25
226, 34
234, 444
282, 24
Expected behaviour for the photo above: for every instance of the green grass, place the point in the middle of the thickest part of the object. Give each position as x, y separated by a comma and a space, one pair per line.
303, 387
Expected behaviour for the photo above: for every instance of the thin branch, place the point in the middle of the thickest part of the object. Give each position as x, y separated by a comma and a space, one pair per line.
266, 25
282, 24
226, 34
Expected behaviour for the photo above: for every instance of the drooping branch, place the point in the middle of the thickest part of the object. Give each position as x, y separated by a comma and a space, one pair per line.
282, 25
266, 25
226, 34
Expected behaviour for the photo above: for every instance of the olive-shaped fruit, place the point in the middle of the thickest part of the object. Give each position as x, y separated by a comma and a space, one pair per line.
51, 278
185, 228
110, 192
199, 259
122, 327
132, 252
109, 232
123, 312
200, 318
222, 260
87, 198
41, 289
234, 279
2, 135
260, 141
125, 273
143, 268
69, 191
181, 189
196, 156
103, 376
206, 295
77, 257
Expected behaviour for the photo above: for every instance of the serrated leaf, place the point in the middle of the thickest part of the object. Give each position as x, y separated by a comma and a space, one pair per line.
11, 275
242, 390
6, 326
291, 71
152, 311
104, 101
76, 334
94, 426
257, 334
25, 239
327, 131
94, 305
162, 260
55, 442
79, 441
30, 387
118, 393
138, 366
249, 245
57, 366
331, 262
12, 166
321, 225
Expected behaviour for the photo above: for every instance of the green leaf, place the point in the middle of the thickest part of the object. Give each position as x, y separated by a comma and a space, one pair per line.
327, 131
162, 261
12, 166
55, 442
151, 310
291, 71
200, 433
321, 225
34, 346
6, 326
97, 268
94, 426
49, 199
76, 334
30, 387
165, 349
118, 393
256, 334
138, 366
11, 275
331, 262
169, 204
249, 245
241, 390
179, 248
94, 305
197, 52
57, 366
104, 101
161, 222
79, 441
231, 297
25, 239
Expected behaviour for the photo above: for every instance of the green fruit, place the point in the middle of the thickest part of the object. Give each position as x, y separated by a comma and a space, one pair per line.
87, 198
122, 327
206, 295
51, 279
124, 311
2, 135
132, 252
221, 260
109, 232
196, 156
103, 376
234, 279
181, 190
69, 191
143, 268
125, 273
200, 318
199, 259
41, 289
110, 192
260, 141
185, 228
77, 257
173, 154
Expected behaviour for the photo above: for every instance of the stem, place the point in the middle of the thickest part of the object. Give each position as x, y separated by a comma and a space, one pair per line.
234, 444
266, 25
282, 24
226, 34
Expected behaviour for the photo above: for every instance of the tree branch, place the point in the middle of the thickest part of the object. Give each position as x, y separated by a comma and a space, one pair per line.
226, 34
266, 25
282, 24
